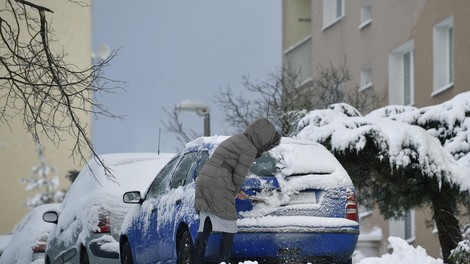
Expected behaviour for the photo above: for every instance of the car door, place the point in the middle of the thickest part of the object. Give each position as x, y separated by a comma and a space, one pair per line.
174, 205
146, 248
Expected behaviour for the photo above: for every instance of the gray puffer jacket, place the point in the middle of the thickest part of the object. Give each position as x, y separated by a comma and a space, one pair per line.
220, 179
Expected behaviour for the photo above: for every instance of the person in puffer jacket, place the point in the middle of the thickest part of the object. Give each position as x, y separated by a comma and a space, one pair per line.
220, 180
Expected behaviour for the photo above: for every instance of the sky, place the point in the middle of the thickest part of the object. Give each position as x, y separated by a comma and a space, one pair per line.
170, 51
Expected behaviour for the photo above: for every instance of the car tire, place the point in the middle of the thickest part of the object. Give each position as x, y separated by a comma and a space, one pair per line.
126, 257
185, 249
84, 256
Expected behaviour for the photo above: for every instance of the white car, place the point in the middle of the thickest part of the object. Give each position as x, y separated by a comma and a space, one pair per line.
4, 241
29, 238
86, 227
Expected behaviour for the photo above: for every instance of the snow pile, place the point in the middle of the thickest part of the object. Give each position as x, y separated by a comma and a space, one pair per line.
403, 253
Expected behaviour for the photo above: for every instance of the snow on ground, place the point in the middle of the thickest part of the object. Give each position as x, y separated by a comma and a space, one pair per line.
403, 253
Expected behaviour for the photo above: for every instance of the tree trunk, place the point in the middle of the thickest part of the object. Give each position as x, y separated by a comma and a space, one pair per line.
445, 207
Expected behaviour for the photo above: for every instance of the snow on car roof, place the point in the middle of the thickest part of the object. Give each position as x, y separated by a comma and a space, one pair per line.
299, 156
26, 235
131, 172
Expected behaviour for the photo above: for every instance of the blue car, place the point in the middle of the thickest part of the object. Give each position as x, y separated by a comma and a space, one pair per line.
302, 207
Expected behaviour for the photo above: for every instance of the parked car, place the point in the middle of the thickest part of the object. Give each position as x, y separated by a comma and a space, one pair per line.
87, 225
4, 241
29, 238
302, 206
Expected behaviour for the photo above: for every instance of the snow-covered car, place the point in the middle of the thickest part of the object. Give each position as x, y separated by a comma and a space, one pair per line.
29, 237
87, 225
4, 241
302, 206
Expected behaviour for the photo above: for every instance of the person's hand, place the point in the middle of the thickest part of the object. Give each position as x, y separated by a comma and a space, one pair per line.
242, 195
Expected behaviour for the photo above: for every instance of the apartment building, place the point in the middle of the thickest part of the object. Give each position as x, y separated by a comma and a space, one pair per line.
412, 52
72, 25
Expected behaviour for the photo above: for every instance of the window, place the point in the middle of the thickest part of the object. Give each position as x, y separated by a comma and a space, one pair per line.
401, 75
197, 166
404, 227
333, 11
201, 162
264, 166
366, 78
299, 59
408, 78
366, 15
182, 171
443, 55
158, 185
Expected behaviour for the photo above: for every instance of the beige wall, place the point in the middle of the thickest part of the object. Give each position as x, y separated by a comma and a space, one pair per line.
394, 22
370, 46
296, 24
72, 25
425, 237
434, 12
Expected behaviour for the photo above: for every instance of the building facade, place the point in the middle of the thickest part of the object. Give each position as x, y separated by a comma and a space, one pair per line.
413, 53
72, 27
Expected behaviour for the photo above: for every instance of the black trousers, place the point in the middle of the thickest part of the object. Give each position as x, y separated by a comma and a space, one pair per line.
226, 242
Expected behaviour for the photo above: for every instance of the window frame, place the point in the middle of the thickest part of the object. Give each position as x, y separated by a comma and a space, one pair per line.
366, 78
397, 75
160, 182
405, 227
443, 62
179, 177
332, 14
366, 15
408, 78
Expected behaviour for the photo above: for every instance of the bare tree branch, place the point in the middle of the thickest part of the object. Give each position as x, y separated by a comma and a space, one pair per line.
284, 98
174, 125
54, 98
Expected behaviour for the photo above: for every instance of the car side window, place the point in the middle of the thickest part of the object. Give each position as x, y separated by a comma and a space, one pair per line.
202, 161
159, 183
183, 169
196, 166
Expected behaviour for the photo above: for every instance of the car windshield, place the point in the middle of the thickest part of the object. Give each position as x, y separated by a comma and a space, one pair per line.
264, 165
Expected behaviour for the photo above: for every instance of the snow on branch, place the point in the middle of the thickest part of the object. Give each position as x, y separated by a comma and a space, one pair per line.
396, 132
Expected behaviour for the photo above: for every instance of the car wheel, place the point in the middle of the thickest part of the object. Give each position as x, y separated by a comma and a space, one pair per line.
84, 256
126, 257
185, 249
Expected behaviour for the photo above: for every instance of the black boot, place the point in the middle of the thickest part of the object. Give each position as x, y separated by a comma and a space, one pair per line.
201, 242
226, 242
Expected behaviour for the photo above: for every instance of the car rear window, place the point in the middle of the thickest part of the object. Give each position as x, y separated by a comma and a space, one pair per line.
264, 165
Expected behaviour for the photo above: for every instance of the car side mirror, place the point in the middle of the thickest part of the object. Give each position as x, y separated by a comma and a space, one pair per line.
50, 217
132, 197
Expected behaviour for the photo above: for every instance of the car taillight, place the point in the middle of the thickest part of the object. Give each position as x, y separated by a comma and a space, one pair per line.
104, 223
40, 246
351, 207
